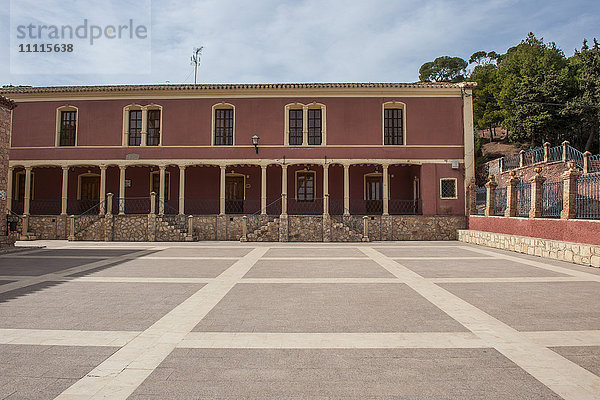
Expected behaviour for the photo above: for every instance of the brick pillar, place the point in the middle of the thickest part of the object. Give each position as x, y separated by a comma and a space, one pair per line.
151, 227
326, 228
152, 203
491, 195
190, 226
546, 151
586, 162
108, 219
511, 196
71, 228
537, 183
109, 203
471, 198
283, 228
569, 210
221, 227
565, 152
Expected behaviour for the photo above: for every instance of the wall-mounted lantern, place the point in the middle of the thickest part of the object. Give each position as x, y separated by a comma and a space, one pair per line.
255, 142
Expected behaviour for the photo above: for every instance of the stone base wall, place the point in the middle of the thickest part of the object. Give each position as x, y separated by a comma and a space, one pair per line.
305, 228
294, 228
586, 254
130, 228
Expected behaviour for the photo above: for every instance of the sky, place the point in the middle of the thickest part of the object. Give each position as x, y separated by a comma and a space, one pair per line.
274, 41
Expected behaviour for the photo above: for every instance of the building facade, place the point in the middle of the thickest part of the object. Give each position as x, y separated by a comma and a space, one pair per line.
256, 162
6, 107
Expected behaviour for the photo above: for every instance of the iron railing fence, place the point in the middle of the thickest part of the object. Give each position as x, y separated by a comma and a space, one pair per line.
404, 207
336, 206
14, 222
533, 156
511, 162
575, 155
523, 199
242, 206
588, 196
133, 205
480, 200
555, 153
18, 207
298, 207
500, 201
594, 163
78, 207
366, 207
45, 207
552, 198
202, 206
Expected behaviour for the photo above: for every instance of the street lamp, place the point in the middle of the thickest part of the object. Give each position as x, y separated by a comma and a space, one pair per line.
255, 142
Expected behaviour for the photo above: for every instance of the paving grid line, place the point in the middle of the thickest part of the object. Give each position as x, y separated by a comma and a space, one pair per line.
319, 280
565, 338
62, 275
308, 258
442, 258
50, 257
580, 274
560, 375
120, 374
523, 279
195, 258
425, 340
55, 337
117, 279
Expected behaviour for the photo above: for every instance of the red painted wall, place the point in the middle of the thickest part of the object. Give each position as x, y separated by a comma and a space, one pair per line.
578, 231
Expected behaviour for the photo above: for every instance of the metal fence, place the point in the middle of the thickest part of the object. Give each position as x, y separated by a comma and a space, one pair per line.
511, 162
594, 163
575, 155
588, 196
533, 156
500, 201
480, 200
404, 207
523, 199
552, 198
555, 153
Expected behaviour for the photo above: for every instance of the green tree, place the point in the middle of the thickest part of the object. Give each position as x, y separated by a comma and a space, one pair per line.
486, 110
443, 69
533, 77
585, 107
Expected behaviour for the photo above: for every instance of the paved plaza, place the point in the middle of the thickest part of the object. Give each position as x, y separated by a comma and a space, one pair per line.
227, 320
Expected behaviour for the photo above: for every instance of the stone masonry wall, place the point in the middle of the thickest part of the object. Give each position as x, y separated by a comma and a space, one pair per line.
305, 228
586, 254
552, 171
130, 228
418, 227
89, 227
205, 227
45, 227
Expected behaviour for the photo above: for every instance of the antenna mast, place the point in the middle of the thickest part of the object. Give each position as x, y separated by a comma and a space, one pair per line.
196, 60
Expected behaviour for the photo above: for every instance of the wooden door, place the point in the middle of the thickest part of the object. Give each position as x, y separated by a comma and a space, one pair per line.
89, 192
374, 194
234, 194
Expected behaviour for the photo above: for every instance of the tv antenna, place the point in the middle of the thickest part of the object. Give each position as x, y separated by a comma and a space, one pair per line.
196, 60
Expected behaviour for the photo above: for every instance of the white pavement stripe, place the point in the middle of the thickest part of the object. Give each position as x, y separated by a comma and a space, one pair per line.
565, 338
197, 258
430, 340
562, 376
61, 275
506, 279
20, 255
308, 258
321, 280
441, 258
66, 337
116, 279
539, 264
119, 375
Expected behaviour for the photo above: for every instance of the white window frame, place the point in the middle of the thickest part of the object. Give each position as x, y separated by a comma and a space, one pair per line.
305, 108
393, 105
455, 188
144, 109
221, 105
59, 111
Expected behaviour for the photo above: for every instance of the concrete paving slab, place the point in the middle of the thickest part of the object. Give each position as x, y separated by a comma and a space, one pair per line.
587, 357
43, 372
202, 252
533, 306
314, 252
340, 374
446, 251
317, 269
258, 307
39, 266
91, 306
103, 253
157, 268
491, 268
5, 282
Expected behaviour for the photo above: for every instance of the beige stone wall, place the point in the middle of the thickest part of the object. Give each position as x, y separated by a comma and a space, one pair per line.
578, 253
48, 227
130, 228
305, 228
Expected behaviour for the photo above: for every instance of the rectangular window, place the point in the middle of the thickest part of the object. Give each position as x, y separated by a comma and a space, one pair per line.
305, 186
135, 127
68, 126
224, 127
314, 126
296, 127
153, 138
393, 130
448, 188
156, 184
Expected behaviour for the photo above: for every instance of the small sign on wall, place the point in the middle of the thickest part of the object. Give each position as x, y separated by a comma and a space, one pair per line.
127, 183
2, 195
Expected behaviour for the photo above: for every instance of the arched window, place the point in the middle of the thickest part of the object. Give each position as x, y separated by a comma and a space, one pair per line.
66, 126
394, 123
223, 124
305, 124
